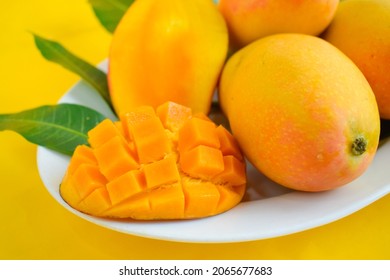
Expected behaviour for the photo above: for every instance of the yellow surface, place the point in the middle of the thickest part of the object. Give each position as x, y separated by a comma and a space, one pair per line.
34, 226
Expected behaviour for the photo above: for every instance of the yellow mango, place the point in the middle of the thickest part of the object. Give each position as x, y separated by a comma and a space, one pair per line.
171, 50
361, 30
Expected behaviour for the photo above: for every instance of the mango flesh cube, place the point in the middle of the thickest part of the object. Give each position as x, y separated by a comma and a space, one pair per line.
103, 133
150, 139
126, 185
130, 119
82, 154
229, 196
114, 158
197, 132
88, 178
173, 115
229, 145
97, 201
136, 207
201, 198
69, 191
233, 173
168, 202
161, 172
202, 162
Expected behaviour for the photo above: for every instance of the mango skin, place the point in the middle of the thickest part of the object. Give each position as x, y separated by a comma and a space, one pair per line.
170, 50
296, 105
250, 20
361, 29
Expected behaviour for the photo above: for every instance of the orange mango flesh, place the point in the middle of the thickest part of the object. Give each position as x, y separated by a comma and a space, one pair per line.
156, 164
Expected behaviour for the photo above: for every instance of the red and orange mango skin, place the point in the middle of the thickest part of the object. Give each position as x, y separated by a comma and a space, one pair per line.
170, 50
311, 121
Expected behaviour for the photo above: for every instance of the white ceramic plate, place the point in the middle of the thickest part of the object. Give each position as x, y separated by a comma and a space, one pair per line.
268, 210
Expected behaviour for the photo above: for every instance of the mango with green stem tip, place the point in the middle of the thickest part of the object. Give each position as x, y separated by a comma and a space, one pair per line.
301, 110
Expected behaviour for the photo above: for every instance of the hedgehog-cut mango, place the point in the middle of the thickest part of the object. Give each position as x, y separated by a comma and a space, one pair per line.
156, 165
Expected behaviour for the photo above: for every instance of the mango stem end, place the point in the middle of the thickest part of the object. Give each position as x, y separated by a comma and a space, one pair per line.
359, 146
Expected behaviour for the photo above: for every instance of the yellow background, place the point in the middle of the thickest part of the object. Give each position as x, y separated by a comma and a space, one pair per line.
34, 226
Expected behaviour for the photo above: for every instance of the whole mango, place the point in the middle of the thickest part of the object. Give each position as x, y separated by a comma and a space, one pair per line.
251, 20
171, 50
361, 29
301, 110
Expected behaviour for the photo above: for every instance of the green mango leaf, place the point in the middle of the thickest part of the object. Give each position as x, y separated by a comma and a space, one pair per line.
55, 52
110, 12
59, 127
